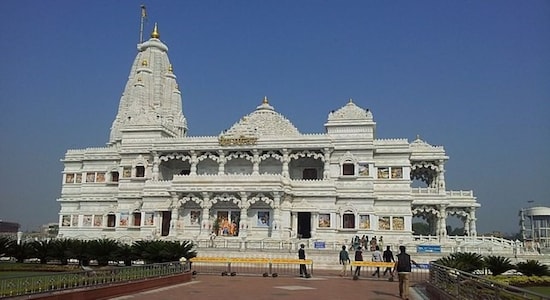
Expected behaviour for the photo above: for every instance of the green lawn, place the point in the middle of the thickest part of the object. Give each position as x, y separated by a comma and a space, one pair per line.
545, 290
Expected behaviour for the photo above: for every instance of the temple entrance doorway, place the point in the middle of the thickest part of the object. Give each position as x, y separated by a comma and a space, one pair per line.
304, 225
166, 218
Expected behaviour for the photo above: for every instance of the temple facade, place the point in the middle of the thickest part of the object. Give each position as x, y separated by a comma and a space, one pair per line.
260, 179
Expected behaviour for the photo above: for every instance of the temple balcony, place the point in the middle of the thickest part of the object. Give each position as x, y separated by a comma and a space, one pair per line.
432, 196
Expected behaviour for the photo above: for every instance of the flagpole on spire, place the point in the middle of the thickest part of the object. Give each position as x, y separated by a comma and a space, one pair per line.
143, 18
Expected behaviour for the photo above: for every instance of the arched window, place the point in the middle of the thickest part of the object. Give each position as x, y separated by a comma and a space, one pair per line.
140, 171
111, 218
348, 220
114, 176
348, 169
137, 218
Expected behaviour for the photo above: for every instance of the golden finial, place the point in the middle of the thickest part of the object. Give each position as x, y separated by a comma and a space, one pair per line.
155, 34
265, 100
170, 69
144, 63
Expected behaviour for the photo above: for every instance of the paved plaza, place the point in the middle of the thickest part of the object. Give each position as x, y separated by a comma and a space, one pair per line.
321, 286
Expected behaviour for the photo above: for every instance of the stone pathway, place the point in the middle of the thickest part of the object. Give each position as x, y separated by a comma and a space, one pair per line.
321, 286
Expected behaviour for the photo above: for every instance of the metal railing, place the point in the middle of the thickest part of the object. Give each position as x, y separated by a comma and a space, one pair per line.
53, 282
419, 272
454, 284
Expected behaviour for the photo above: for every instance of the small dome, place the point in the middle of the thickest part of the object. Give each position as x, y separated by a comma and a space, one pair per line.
264, 121
350, 112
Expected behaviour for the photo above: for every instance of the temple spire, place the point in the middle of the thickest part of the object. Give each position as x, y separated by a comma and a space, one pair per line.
155, 34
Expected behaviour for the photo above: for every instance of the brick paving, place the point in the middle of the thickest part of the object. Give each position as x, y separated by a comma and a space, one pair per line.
324, 285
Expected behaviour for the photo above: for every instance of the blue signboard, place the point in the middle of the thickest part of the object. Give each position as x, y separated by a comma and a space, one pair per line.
428, 249
319, 245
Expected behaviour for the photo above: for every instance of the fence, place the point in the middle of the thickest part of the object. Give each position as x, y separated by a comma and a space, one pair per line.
419, 272
448, 283
250, 266
28, 285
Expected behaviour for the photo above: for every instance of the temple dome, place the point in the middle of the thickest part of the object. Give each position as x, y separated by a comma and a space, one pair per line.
350, 111
264, 121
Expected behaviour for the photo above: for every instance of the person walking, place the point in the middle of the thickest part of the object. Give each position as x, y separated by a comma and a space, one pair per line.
388, 257
403, 268
377, 257
344, 261
302, 255
358, 257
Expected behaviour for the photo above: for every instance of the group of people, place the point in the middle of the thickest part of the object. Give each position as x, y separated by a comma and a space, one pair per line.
402, 265
365, 243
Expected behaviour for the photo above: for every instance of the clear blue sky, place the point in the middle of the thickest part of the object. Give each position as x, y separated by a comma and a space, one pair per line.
473, 76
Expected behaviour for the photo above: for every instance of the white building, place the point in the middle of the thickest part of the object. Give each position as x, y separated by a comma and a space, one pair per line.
535, 226
260, 179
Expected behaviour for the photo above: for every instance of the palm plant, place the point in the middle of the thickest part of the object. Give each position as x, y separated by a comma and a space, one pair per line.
498, 264
79, 249
42, 250
533, 268
21, 251
6, 245
103, 250
163, 251
60, 250
125, 254
463, 261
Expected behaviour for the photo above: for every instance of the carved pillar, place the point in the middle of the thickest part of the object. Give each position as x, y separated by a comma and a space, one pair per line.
442, 221
221, 162
175, 215
473, 230
206, 226
466, 224
244, 205
285, 219
156, 162
193, 162
294, 229
315, 223
326, 170
255, 162
276, 224
441, 178
285, 163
